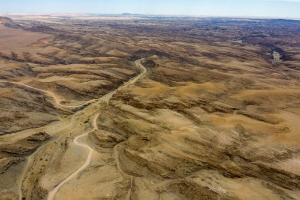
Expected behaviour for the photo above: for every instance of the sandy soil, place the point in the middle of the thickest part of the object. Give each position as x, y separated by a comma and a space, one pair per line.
51, 94
106, 98
211, 118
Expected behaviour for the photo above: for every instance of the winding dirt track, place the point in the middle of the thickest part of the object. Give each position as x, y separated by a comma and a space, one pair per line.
51, 94
52, 194
106, 98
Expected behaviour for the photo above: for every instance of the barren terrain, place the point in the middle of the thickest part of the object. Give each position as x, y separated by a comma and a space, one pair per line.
146, 107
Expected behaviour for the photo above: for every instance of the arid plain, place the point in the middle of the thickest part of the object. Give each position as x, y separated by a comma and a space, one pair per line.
149, 107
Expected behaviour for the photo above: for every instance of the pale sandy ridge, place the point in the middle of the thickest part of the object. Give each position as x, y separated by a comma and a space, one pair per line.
106, 98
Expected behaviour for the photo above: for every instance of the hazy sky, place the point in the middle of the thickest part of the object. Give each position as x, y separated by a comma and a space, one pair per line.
266, 8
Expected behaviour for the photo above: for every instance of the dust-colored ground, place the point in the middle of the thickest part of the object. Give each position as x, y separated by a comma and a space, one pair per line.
216, 115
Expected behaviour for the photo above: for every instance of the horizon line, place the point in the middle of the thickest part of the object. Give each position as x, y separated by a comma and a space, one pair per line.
160, 15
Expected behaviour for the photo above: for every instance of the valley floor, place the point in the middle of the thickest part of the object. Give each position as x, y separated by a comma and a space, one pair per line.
149, 108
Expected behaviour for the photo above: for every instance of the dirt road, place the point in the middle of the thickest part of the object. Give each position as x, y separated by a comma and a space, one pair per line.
52, 194
51, 94
106, 98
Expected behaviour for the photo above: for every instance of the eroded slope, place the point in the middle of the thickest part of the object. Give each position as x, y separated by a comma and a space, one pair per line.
214, 117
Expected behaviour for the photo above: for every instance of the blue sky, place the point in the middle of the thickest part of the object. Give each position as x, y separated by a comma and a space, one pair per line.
261, 8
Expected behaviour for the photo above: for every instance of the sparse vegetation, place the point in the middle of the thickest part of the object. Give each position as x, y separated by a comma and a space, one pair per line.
215, 116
